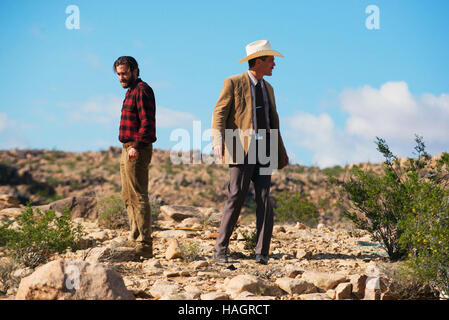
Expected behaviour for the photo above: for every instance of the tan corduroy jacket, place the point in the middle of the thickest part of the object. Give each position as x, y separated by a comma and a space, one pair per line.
234, 111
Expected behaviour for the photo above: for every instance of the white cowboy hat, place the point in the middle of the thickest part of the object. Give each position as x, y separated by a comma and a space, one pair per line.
259, 48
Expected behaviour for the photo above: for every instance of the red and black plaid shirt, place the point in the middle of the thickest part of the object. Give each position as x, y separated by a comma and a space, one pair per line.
138, 120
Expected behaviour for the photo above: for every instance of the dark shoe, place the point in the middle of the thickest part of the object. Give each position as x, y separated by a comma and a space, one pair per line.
262, 258
220, 257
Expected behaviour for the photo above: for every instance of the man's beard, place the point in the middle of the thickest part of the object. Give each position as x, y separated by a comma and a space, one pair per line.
129, 82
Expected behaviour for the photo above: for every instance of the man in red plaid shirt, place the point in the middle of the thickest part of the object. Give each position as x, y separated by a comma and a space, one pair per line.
137, 133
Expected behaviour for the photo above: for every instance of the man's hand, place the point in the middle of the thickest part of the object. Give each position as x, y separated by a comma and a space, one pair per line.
218, 152
133, 154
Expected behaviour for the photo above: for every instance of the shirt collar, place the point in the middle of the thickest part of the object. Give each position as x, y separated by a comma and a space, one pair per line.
253, 79
135, 83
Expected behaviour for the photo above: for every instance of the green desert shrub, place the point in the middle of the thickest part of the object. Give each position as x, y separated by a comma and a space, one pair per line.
111, 212
426, 230
250, 239
7, 278
291, 206
38, 235
400, 203
190, 251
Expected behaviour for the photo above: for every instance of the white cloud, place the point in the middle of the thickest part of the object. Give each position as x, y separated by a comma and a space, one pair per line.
107, 110
11, 133
3, 121
391, 112
169, 118
101, 110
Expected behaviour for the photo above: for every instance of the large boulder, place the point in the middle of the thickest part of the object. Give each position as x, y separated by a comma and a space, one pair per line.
65, 279
80, 207
111, 253
296, 286
249, 283
324, 280
178, 213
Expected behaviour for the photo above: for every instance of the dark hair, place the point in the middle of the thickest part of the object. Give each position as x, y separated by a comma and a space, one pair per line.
129, 61
252, 62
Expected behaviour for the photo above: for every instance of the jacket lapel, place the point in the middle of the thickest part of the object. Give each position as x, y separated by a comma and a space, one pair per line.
246, 88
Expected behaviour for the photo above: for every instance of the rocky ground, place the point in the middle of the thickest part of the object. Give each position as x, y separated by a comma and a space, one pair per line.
331, 260
305, 263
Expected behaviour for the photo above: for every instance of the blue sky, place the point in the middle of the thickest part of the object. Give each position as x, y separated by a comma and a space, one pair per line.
339, 86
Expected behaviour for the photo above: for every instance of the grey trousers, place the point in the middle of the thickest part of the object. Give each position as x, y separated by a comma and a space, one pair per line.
240, 178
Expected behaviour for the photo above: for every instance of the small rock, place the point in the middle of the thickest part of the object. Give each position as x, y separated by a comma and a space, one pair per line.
199, 265
302, 254
99, 235
176, 273
300, 226
214, 296
173, 250
242, 283
192, 292
167, 234
343, 291
279, 229
358, 285
152, 264
193, 223
293, 271
331, 293
314, 296
162, 287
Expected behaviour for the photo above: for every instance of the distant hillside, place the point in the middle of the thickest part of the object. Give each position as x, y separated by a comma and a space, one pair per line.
42, 176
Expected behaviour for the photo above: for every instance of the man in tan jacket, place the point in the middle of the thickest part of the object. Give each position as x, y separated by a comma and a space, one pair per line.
246, 136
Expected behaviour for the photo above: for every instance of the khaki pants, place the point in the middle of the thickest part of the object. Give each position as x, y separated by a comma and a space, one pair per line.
134, 175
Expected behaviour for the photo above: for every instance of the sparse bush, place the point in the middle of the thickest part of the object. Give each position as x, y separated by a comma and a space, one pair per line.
114, 168
426, 231
7, 279
250, 241
38, 235
335, 171
406, 208
112, 213
291, 206
403, 284
190, 251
